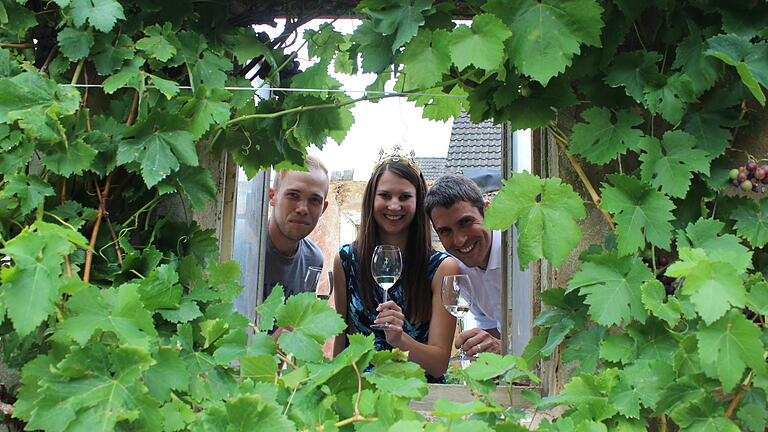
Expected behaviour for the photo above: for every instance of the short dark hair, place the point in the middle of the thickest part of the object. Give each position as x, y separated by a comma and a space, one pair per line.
452, 188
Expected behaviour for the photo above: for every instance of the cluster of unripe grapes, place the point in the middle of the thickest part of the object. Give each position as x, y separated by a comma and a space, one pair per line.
750, 177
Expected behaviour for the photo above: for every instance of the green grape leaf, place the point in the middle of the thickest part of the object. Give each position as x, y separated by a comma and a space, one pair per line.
109, 52
155, 43
169, 372
245, 412
625, 398
118, 310
195, 182
690, 57
158, 144
101, 15
393, 374
655, 299
633, 70
611, 284
261, 367
559, 324
589, 394
129, 76
323, 43
641, 213
23, 19
30, 288
28, 190
426, 58
70, 159
75, 43
376, 50
670, 98
730, 344
600, 140
402, 21
757, 296
705, 415
313, 322
584, 347
752, 221
669, 164
712, 280
753, 416
706, 234
547, 34
36, 103
160, 289
440, 108
647, 379
112, 390
210, 70
747, 58
618, 348
545, 211
206, 108
166, 87
74, 214
481, 45
187, 311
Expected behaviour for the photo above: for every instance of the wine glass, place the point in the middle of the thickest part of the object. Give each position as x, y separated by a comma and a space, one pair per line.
386, 266
311, 277
324, 291
457, 304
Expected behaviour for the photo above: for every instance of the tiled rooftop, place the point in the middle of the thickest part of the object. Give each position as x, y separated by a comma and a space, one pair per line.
474, 145
431, 167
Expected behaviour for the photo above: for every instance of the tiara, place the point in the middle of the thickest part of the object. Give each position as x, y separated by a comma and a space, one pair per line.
396, 157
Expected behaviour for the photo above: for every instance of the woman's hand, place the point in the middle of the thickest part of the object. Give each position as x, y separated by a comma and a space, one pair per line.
390, 312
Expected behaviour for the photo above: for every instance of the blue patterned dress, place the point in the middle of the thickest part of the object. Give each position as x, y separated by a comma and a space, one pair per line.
360, 319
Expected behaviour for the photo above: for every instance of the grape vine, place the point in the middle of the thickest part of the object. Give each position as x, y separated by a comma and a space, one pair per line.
118, 312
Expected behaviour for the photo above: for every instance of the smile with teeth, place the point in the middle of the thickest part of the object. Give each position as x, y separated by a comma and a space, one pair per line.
466, 249
393, 217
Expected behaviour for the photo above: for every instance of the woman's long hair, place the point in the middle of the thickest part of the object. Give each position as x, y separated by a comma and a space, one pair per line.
416, 288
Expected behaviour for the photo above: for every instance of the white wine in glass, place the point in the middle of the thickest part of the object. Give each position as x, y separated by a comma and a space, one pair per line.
386, 266
457, 304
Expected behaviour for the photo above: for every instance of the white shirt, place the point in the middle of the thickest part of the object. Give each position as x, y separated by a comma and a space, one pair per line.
486, 287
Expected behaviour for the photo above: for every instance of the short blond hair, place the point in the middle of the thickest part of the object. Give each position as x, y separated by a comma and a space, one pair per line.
311, 162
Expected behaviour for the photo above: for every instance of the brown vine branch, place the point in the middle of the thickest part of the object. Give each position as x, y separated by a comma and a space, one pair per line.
741, 117
735, 401
563, 143
17, 45
134, 109
48, 59
62, 199
102, 195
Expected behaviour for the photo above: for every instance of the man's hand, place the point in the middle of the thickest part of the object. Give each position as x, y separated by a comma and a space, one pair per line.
476, 341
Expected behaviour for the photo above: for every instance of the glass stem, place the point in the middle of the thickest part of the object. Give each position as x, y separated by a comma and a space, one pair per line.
385, 295
461, 330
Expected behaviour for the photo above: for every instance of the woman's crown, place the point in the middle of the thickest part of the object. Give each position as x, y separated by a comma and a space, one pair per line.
395, 156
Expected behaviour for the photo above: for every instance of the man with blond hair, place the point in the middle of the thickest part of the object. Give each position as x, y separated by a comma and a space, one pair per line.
298, 199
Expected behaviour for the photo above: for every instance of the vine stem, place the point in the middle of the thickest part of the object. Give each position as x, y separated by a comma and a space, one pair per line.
563, 143
78, 69
62, 198
134, 109
102, 211
359, 389
17, 45
735, 401
334, 105
741, 117
663, 423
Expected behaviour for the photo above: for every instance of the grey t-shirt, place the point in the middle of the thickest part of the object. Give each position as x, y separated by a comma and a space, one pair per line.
290, 271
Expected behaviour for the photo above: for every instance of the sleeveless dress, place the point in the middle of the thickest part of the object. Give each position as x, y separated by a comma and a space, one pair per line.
360, 319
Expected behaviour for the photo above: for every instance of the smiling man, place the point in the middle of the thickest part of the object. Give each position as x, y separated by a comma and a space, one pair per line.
298, 200
456, 207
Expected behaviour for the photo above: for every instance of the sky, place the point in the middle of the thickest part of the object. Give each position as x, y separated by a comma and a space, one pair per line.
382, 125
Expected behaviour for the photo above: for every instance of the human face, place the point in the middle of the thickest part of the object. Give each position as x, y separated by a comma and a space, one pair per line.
297, 205
394, 204
462, 235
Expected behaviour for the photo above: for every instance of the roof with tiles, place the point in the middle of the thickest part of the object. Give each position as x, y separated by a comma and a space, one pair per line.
474, 145
431, 167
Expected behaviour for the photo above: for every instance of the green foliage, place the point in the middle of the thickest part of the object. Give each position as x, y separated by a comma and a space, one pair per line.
133, 329
546, 212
